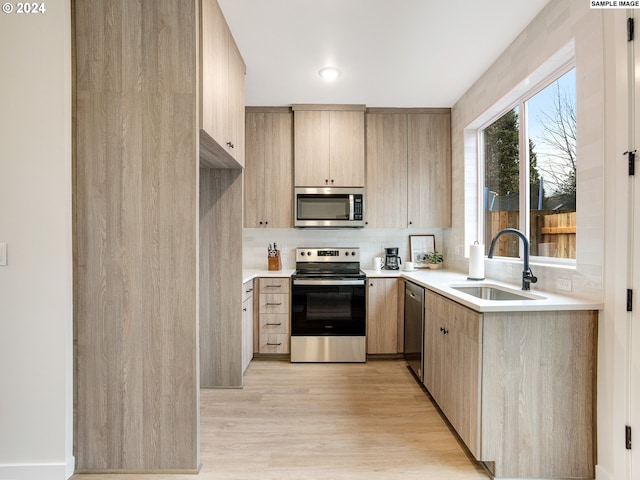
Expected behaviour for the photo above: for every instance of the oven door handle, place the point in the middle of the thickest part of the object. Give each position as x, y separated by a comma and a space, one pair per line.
329, 282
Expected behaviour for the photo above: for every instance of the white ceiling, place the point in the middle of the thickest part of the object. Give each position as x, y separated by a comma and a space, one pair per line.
392, 53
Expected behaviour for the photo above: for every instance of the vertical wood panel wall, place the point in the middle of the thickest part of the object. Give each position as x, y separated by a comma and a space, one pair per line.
135, 245
220, 277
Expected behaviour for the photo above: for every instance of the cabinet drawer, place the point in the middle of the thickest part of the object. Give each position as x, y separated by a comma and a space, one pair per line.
274, 285
274, 303
274, 343
274, 323
247, 290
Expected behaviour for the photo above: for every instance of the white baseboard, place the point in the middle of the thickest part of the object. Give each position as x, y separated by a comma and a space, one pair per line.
602, 474
38, 471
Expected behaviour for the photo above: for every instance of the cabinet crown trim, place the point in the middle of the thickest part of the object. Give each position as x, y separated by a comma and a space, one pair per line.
413, 110
329, 107
254, 109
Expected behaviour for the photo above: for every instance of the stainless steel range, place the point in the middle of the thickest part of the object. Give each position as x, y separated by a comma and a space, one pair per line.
328, 306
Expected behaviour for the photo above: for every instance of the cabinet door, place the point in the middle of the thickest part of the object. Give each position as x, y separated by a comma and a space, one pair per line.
434, 357
346, 149
247, 324
452, 364
429, 177
386, 170
222, 73
311, 148
215, 67
247, 332
268, 173
235, 119
278, 170
382, 315
463, 400
254, 171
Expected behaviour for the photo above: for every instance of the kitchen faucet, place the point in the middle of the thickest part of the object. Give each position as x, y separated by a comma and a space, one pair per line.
527, 274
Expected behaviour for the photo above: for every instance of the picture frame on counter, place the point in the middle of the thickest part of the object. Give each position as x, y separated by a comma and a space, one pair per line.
420, 246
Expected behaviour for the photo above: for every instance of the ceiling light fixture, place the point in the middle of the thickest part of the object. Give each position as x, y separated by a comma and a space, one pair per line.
329, 73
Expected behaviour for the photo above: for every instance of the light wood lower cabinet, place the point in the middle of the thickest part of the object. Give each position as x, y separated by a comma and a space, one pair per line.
272, 319
247, 324
452, 364
383, 315
518, 387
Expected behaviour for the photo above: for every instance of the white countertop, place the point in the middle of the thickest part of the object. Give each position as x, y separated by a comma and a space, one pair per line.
442, 282
249, 274
383, 273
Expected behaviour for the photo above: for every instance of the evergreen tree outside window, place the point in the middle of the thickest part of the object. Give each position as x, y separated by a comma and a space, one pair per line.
536, 192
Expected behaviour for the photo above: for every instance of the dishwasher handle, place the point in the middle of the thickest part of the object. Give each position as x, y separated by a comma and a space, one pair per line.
414, 291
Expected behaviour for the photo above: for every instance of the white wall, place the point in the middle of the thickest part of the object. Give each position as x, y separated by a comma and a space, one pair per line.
36, 385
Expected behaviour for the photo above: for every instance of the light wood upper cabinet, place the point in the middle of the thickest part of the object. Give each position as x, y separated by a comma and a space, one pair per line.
222, 74
268, 173
429, 170
329, 145
408, 168
386, 171
382, 315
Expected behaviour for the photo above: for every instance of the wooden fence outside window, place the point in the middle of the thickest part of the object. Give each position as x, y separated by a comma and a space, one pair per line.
553, 234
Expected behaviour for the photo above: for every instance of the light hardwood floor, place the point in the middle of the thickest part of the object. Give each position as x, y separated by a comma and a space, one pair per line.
324, 421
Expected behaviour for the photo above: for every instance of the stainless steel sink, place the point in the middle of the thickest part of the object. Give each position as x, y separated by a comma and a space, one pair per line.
492, 292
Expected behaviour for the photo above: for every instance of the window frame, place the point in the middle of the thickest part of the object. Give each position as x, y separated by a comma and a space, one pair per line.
519, 101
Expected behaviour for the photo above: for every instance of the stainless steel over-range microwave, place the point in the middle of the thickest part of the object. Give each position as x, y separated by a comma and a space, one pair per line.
329, 207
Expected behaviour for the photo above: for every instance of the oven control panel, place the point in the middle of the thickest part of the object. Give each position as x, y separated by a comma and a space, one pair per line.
328, 254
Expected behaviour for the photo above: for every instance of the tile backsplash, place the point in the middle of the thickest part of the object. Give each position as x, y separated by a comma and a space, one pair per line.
371, 241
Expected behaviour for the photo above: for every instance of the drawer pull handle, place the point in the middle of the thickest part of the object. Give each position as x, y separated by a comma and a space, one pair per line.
273, 304
274, 344
274, 286
276, 324
249, 291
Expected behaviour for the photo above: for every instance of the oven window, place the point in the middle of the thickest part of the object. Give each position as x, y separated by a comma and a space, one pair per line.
328, 310
323, 207
329, 306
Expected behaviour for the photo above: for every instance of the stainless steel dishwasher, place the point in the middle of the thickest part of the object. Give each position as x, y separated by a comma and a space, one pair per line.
414, 327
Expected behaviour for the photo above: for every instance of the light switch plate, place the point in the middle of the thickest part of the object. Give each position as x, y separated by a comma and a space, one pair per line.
3, 254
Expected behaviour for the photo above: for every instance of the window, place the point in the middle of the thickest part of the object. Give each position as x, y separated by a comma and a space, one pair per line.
534, 192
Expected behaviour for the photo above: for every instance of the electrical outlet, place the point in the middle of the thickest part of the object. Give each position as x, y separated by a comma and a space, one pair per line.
3, 254
284, 249
563, 284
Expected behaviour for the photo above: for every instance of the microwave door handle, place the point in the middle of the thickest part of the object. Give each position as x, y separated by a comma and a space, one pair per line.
351, 206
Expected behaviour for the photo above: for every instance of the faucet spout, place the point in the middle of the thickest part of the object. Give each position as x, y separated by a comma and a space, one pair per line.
527, 275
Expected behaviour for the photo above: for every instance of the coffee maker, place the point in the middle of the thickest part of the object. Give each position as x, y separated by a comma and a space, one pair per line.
392, 260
